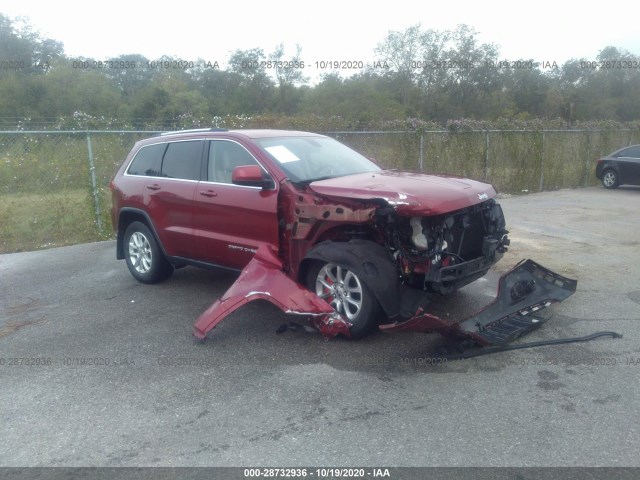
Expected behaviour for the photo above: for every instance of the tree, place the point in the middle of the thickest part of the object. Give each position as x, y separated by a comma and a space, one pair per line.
403, 52
449, 72
528, 87
65, 90
360, 99
470, 77
130, 73
26, 48
288, 73
250, 65
254, 90
601, 89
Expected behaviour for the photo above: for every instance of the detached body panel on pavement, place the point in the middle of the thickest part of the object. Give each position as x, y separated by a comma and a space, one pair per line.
263, 279
523, 291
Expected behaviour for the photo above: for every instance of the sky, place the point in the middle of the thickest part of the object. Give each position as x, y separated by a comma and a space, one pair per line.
330, 30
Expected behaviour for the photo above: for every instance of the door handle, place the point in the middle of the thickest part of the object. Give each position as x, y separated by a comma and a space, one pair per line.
154, 186
208, 193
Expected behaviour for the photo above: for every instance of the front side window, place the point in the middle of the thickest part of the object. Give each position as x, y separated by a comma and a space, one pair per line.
224, 156
182, 160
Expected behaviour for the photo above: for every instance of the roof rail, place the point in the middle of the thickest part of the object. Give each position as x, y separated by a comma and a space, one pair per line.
195, 130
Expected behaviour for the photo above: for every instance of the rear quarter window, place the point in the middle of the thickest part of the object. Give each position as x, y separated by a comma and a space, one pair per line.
148, 161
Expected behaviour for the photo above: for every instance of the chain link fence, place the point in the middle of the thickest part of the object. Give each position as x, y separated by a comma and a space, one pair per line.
54, 186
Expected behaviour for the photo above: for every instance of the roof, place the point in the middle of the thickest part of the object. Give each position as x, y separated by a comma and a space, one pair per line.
267, 133
249, 133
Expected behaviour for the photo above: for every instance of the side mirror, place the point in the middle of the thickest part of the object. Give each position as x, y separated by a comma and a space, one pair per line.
250, 176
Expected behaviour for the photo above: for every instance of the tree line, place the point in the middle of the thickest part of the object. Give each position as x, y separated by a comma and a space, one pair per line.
425, 74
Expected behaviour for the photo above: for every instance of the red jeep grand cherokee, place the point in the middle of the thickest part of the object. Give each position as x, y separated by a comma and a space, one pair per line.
375, 244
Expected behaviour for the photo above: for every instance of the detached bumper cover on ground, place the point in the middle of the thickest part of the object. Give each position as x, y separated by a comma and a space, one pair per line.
525, 289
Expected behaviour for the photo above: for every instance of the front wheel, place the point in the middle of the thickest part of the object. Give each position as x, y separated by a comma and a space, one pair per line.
610, 179
347, 294
145, 260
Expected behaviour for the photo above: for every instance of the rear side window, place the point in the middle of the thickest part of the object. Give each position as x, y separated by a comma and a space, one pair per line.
148, 161
182, 160
633, 152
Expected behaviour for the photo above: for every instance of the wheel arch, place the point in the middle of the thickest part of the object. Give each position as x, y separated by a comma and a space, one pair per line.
616, 171
369, 260
125, 218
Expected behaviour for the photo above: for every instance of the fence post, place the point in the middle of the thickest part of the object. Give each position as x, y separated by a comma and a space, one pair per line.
486, 155
94, 187
542, 162
421, 151
588, 162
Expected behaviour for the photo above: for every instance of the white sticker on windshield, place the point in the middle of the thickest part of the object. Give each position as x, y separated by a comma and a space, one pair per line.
282, 154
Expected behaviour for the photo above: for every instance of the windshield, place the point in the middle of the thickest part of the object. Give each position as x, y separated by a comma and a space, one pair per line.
306, 159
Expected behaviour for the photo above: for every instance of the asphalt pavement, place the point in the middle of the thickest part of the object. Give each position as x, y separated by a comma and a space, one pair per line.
99, 370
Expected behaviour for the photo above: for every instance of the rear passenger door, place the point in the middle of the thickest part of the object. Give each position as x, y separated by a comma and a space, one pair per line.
629, 164
171, 173
231, 221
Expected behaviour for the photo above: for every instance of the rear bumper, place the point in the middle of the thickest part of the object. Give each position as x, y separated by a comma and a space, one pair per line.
598, 170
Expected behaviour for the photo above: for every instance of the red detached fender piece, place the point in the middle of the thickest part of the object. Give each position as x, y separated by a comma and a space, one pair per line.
264, 279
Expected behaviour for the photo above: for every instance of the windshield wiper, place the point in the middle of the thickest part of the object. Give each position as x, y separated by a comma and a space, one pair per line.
317, 179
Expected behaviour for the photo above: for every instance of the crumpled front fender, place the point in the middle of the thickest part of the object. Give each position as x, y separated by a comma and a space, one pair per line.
264, 279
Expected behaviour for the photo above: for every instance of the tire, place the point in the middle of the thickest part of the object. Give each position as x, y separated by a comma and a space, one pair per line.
610, 179
145, 260
347, 294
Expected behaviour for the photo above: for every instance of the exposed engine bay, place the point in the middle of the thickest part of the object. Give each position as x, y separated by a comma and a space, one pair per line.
445, 252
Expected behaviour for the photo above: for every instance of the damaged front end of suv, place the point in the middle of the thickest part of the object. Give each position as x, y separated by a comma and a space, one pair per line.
444, 252
371, 250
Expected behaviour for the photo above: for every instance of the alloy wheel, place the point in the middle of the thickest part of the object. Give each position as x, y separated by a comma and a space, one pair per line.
140, 252
341, 288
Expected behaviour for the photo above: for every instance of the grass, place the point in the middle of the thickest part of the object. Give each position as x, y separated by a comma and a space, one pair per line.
30, 221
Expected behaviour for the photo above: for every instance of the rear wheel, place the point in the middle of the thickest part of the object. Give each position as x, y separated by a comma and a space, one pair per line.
347, 294
145, 260
610, 179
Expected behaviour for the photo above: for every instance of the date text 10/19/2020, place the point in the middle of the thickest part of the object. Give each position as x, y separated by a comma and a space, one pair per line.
326, 472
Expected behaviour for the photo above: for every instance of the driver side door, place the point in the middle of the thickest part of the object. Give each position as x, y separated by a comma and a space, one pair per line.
230, 220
